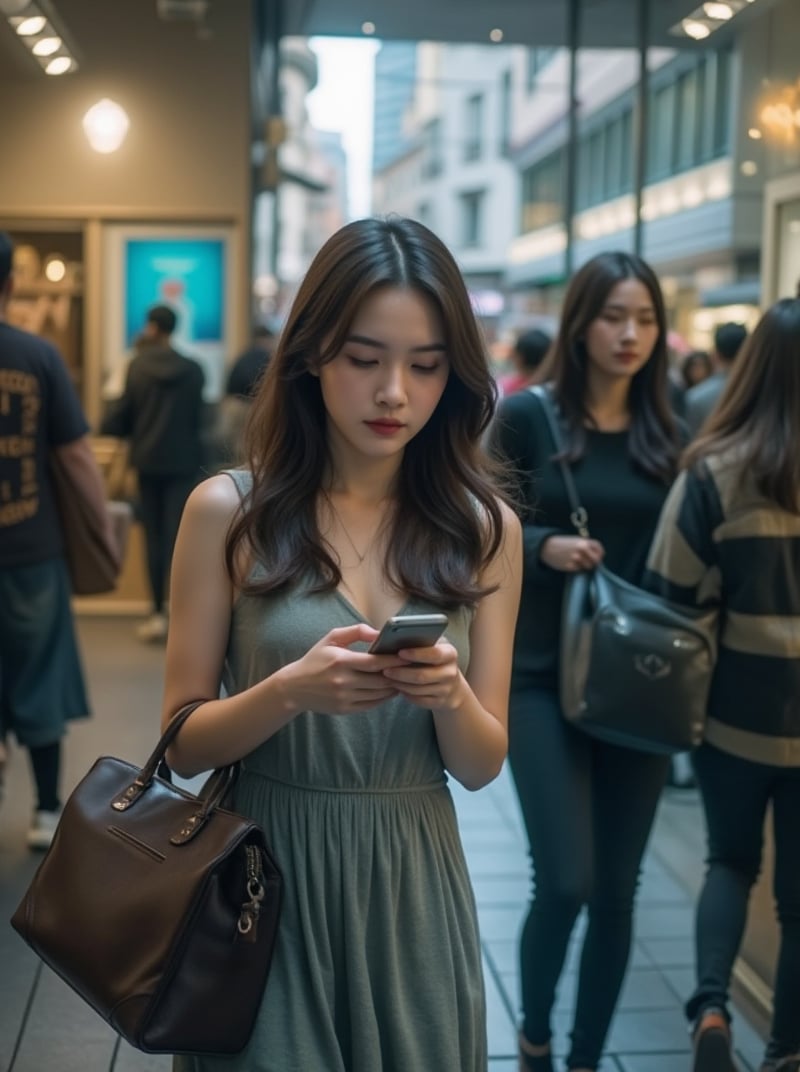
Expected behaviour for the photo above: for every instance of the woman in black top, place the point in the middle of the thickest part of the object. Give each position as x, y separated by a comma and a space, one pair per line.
588, 806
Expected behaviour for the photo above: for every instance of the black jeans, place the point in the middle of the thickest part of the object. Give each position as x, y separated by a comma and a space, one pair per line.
588, 809
736, 793
162, 499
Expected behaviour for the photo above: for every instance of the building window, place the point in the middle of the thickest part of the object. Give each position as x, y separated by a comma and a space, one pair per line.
424, 214
473, 127
543, 193
688, 118
660, 126
723, 97
538, 59
505, 113
432, 153
472, 218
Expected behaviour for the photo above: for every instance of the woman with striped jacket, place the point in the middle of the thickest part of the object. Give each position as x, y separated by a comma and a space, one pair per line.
730, 535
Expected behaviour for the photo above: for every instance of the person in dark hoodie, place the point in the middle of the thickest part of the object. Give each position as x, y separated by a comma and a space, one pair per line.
161, 413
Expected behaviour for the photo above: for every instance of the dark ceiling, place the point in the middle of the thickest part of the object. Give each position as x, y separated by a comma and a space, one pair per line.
603, 23
91, 27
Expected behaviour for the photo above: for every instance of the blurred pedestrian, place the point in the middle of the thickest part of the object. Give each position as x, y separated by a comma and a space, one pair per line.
729, 536
526, 356
702, 398
234, 408
695, 368
588, 806
161, 412
367, 494
41, 679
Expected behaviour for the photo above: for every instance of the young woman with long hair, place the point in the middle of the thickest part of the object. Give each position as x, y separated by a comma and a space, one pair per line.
729, 537
588, 806
366, 495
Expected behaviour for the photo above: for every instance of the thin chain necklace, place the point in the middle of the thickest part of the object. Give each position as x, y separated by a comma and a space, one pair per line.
359, 555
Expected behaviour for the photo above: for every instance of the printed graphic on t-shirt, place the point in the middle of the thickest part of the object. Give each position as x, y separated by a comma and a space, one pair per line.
20, 402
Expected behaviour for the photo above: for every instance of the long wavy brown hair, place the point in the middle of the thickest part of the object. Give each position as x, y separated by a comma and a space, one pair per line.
447, 522
757, 418
653, 441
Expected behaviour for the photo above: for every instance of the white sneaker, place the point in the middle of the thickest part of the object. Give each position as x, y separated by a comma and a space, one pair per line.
153, 630
42, 829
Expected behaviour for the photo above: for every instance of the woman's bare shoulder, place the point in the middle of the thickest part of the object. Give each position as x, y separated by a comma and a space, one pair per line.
216, 499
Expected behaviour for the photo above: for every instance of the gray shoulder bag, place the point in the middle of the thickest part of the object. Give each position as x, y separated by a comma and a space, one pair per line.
634, 669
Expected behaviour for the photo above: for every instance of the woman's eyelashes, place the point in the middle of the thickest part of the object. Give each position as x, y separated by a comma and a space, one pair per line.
364, 363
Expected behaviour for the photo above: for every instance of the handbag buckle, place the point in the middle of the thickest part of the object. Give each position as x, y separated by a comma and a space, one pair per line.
129, 796
580, 520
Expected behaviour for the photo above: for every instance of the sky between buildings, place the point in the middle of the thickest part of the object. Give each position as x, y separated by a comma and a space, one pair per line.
343, 101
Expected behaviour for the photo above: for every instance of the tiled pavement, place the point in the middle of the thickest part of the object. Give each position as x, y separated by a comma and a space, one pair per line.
43, 1026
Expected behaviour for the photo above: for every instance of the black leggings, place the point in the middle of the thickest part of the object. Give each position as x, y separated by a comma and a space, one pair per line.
736, 793
162, 499
588, 809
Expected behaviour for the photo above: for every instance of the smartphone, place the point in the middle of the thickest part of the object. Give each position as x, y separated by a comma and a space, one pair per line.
409, 631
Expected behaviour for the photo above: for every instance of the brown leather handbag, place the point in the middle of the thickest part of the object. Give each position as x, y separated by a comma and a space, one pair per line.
94, 549
160, 908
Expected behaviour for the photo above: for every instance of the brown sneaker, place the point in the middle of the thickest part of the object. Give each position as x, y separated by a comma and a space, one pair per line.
712, 1043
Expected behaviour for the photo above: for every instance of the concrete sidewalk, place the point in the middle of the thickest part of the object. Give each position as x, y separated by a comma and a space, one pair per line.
44, 1026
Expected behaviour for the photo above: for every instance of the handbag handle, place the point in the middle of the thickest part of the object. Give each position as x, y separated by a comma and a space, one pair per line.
214, 792
578, 515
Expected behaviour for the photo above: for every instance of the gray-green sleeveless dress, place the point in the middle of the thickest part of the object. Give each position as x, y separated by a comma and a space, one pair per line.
377, 965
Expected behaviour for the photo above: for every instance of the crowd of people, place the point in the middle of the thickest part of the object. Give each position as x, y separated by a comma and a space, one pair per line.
374, 473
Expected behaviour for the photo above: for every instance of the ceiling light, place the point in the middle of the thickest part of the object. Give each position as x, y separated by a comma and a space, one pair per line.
496, 35
749, 168
694, 29
720, 12
368, 28
106, 124
31, 26
46, 46
40, 30
755, 134
60, 65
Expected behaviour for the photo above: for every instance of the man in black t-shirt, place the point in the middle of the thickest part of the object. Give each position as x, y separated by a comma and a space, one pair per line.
41, 680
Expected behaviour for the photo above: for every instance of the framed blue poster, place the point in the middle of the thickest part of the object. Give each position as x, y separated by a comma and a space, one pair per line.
186, 274
190, 269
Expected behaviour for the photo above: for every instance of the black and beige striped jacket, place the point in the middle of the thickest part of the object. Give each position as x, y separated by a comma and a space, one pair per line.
719, 541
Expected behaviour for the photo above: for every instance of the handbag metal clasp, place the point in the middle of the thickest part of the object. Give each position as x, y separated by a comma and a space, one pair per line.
251, 909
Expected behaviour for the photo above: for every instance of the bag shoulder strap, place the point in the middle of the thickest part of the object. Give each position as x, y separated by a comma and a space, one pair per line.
578, 515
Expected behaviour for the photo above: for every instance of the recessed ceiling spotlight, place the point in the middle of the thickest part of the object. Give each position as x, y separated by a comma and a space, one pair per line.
496, 35
720, 12
31, 26
59, 65
749, 168
694, 29
755, 134
46, 46
368, 28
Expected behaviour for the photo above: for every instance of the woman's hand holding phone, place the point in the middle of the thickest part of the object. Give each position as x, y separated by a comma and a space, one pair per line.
429, 674
334, 679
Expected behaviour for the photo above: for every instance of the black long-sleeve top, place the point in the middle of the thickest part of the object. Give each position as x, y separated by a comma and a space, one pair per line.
623, 504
